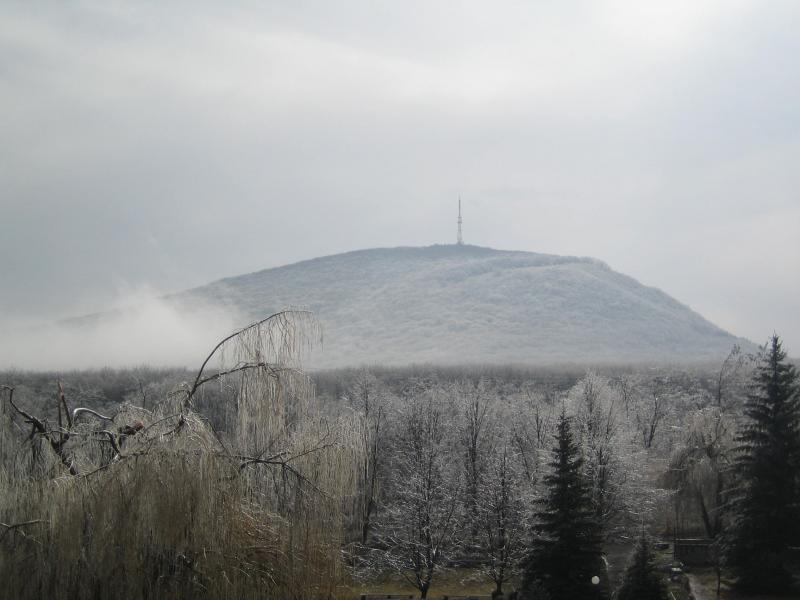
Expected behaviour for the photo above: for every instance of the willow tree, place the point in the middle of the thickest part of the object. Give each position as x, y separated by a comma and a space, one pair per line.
154, 502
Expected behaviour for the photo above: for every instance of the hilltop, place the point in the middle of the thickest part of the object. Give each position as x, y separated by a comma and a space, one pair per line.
451, 304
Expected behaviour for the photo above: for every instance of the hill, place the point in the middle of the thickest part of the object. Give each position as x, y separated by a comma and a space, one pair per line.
456, 304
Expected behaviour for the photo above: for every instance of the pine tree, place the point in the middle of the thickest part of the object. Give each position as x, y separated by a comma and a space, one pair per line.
765, 509
566, 552
642, 581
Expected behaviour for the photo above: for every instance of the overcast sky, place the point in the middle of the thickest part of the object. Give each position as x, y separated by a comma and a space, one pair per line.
159, 146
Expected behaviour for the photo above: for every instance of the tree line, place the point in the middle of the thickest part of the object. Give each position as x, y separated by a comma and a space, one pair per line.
528, 484
237, 481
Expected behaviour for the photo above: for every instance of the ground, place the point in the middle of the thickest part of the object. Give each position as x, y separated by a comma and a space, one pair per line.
450, 582
470, 582
704, 587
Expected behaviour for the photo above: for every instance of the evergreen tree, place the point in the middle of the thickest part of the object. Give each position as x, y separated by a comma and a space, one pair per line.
566, 551
765, 509
642, 581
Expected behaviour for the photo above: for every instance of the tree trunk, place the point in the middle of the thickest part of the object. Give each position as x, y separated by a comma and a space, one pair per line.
423, 590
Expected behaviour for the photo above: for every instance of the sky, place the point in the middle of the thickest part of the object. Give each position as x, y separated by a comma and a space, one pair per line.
150, 147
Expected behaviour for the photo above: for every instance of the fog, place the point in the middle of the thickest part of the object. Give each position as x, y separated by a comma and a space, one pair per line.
142, 330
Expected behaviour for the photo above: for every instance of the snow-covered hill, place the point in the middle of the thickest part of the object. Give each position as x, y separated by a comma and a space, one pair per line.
452, 304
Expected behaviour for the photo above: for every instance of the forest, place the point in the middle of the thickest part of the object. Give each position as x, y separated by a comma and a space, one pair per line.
251, 478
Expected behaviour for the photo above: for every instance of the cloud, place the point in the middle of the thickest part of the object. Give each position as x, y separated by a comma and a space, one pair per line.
142, 330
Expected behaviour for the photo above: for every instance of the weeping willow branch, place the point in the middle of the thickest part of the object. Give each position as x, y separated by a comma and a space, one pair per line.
269, 340
16, 526
285, 466
269, 369
260, 516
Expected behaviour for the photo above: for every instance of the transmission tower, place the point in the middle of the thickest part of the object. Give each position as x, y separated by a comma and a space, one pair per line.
460, 238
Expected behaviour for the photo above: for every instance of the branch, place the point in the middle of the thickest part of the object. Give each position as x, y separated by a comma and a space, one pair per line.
167, 418
39, 427
81, 410
251, 460
198, 380
113, 439
272, 369
37, 424
120, 458
64, 404
283, 464
17, 525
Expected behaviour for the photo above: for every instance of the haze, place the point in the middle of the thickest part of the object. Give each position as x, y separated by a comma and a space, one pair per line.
159, 147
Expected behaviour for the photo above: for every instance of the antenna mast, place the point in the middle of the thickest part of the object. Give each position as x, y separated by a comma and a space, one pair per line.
460, 239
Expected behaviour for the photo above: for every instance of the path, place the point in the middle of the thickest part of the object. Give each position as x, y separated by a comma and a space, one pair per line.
698, 590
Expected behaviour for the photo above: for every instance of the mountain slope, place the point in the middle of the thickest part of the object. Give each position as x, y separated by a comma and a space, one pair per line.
472, 304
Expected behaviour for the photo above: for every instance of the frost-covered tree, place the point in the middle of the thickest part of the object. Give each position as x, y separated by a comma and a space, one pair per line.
501, 511
767, 495
625, 387
157, 503
597, 423
728, 380
531, 422
418, 526
651, 411
474, 439
367, 397
699, 474
613, 464
566, 550
699, 466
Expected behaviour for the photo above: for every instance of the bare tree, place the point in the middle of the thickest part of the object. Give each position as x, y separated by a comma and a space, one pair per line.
366, 397
625, 386
614, 462
651, 411
474, 423
504, 494
419, 523
596, 408
532, 424
729, 377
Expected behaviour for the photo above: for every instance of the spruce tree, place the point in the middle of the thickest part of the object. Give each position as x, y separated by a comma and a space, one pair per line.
642, 581
765, 506
566, 551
